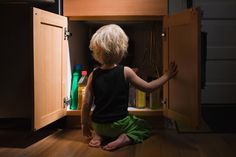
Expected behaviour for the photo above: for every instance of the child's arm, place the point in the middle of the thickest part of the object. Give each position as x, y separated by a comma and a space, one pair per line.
86, 107
141, 84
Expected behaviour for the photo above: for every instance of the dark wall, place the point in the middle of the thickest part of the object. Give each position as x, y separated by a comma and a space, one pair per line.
219, 21
218, 96
16, 61
16, 57
54, 6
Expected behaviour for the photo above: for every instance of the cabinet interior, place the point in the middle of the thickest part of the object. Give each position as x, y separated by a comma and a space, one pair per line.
144, 51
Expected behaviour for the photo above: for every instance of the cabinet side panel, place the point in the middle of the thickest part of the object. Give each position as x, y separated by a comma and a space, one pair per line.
16, 63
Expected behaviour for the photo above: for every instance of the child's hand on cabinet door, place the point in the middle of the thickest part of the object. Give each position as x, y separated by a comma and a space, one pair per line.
172, 71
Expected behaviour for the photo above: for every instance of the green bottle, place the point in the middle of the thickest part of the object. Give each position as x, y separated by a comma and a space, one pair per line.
74, 87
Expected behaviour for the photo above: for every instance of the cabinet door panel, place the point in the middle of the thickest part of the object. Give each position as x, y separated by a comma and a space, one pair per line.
181, 44
49, 67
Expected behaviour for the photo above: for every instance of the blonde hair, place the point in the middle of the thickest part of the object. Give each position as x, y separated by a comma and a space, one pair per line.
109, 44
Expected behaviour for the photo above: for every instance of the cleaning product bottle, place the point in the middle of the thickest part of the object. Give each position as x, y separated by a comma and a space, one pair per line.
140, 99
155, 96
155, 99
81, 87
132, 92
132, 96
74, 87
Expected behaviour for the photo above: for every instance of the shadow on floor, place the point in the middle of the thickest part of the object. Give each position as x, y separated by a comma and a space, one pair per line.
17, 133
220, 119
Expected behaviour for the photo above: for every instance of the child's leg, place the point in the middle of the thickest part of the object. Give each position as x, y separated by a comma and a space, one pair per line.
96, 141
121, 141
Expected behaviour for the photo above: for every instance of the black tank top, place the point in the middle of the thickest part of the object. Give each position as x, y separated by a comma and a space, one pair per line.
111, 93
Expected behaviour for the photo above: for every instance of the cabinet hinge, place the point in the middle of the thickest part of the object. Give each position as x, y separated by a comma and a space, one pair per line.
67, 102
67, 34
164, 102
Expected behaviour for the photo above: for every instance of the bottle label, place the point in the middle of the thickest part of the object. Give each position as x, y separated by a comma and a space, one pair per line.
81, 94
155, 100
140, 99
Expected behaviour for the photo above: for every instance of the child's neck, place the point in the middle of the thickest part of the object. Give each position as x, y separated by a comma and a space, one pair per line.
108, 66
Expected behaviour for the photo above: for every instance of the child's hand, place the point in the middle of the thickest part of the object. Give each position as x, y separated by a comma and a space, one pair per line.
173, 70
87, 130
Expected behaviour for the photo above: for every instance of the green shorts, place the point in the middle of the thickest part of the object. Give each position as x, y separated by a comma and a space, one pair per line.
135, 128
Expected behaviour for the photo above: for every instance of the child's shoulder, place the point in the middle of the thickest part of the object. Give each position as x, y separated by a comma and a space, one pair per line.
128, 69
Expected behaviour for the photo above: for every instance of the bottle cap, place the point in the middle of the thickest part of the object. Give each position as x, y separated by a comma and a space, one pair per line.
78, 67
84, 72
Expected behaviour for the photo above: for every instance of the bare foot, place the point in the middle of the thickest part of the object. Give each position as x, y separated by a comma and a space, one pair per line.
121, 141
96, 141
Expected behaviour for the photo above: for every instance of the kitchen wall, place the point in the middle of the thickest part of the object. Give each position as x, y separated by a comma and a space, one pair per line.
16, 62
218, 96
219, 21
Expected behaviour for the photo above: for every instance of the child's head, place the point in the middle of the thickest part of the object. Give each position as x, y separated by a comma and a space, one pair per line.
109, 44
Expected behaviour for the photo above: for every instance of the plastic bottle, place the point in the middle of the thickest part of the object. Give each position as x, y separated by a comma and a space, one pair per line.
132, 96
154, 97
155, 100
81, 87
140, 99
74, 87
132, 92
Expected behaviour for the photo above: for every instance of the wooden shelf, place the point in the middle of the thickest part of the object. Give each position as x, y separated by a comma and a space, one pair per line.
73, 112
132, 110
145, 111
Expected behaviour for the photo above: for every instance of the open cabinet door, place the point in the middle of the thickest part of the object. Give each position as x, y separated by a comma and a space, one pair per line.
181, 44
50, 67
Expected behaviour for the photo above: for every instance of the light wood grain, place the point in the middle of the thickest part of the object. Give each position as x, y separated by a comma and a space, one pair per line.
181, 44
162, 143
49, 63
133, 111
87, 9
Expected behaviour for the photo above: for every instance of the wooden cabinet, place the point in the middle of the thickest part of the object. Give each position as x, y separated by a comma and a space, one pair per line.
49, 61
106, 9
50, 57
34, 63
180, 39
181, 44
